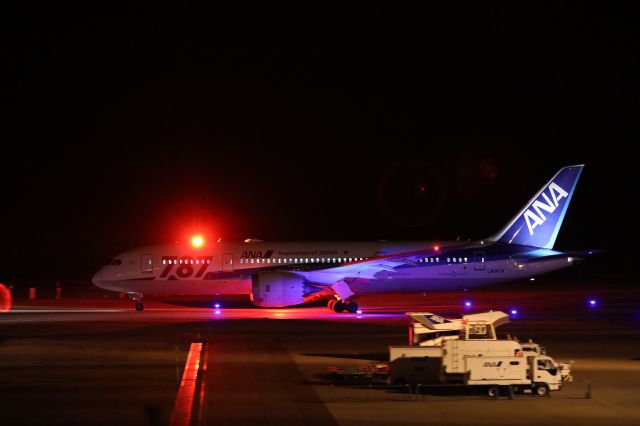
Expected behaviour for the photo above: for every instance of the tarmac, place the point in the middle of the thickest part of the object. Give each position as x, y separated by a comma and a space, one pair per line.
99, 362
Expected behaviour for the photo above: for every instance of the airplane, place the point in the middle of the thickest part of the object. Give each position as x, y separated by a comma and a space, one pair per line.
281, 274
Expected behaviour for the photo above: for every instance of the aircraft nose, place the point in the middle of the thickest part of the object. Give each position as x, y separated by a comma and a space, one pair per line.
97, 279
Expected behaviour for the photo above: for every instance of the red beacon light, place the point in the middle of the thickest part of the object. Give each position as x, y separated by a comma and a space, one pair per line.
436, 248
197, 241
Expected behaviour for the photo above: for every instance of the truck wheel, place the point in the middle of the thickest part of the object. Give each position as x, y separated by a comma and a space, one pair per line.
331, 303
339, 307
542, 390
493, 391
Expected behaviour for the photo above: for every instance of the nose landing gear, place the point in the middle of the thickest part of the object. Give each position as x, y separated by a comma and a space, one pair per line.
136, 297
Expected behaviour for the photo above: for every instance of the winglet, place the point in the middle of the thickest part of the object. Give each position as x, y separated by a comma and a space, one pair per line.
538, 223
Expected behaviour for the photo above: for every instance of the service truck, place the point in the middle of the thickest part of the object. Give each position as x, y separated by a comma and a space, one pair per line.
467, 352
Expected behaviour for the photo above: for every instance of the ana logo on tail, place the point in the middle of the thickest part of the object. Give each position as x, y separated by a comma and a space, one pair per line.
549, 205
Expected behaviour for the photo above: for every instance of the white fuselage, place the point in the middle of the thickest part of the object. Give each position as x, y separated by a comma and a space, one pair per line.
227, 268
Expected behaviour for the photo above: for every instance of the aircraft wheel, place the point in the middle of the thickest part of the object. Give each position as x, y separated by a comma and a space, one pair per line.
339, 307
352, 307
139, 306
331, 303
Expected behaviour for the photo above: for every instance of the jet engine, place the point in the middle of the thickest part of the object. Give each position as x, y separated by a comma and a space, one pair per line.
277, 289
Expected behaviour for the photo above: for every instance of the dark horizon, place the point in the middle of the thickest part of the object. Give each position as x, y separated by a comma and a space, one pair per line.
132, 127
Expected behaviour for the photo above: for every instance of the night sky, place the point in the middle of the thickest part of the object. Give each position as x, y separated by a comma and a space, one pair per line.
128, 126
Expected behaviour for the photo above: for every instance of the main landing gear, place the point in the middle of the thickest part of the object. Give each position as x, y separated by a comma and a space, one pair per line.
341, 306
138, 299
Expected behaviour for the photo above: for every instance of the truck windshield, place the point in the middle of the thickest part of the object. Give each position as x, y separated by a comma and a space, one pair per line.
545, 364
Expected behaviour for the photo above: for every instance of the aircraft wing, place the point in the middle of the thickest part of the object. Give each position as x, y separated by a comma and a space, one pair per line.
372, 267
337, 279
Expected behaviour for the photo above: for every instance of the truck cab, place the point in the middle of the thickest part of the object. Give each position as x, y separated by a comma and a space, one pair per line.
543, 369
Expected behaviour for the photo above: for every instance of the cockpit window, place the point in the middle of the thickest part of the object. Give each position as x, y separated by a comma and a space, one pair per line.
116, 262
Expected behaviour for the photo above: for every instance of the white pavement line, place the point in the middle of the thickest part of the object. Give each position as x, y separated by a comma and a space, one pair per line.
203, 388
183, 408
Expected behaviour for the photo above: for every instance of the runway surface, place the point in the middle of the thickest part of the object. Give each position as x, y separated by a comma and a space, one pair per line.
99, 362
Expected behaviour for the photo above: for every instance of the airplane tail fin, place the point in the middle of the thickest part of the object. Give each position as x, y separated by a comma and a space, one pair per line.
538, 223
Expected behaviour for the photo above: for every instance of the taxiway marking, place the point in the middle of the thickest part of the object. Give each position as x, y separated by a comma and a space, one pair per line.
181, 415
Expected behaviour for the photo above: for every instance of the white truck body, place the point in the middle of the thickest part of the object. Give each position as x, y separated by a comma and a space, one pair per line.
467, 351
454, 352
413, 365
496, 370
